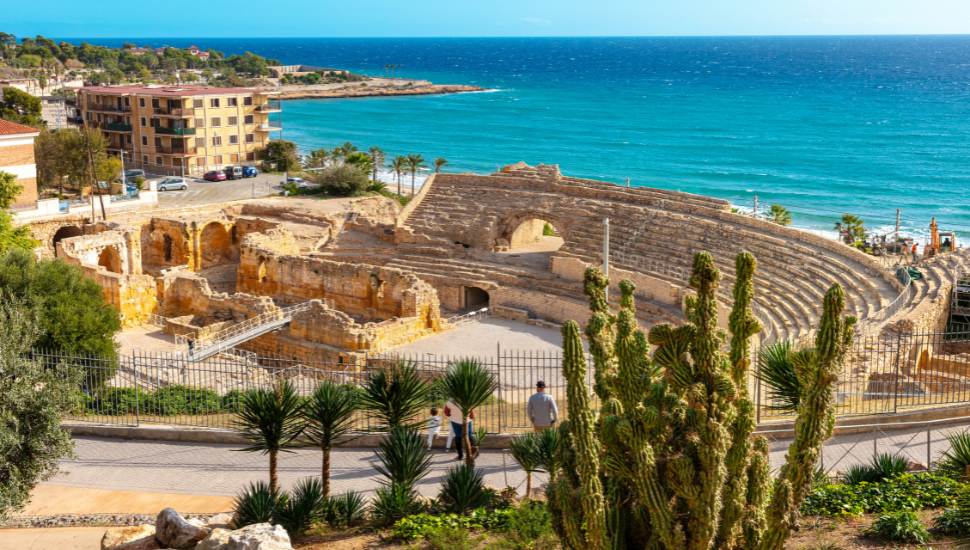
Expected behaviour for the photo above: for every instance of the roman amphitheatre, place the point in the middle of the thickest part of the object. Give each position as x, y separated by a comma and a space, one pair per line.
344, 279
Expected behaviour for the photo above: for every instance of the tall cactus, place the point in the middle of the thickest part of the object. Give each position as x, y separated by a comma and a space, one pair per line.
669, 461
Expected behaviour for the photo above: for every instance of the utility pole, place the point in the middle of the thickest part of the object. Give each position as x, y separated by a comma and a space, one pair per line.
896, 234
606, 255
756, 206
628, 182
94, 178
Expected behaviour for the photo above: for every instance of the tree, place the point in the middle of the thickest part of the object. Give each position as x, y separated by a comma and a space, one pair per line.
468, 384
33, 399
281, 154
271, 421
344, 180
377, 160
11, 237
853, 224
525, 452
673, 446
346, 149
778, 214
361, 161
439, 163
207, 75
329, 418
396, 394
398, 166
415, 163
20, 107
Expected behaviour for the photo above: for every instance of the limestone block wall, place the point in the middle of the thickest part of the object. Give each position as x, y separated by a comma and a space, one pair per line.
199, 242
133, 295
185, 295
118, 250
526, 233
651, 288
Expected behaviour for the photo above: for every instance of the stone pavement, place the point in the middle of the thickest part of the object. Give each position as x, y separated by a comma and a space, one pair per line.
48, 500
70, 538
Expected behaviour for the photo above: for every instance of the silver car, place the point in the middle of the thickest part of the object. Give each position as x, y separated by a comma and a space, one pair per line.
170, 184
300, 182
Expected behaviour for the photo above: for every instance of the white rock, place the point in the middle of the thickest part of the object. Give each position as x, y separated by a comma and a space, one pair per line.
173, 531
130, 538
261, 536
219, 520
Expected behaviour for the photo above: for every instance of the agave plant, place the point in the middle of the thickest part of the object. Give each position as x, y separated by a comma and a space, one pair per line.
524, 449
345, 510
468, 384
887, 466
463, 490
547, 452
859, 473
254, 505
395, 394
329, 419
271, 421
300, 510
954, 462
404, 457
777, 372
393, 502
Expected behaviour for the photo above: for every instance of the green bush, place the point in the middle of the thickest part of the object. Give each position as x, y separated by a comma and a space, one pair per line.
419, 526
954, 462
394, 502
175, 400
254, 505
299, 511
117, 401
343, 180
903, 526
908, 492
453, 538
882, 468
463, 490
344, 510
529, 527
953, 522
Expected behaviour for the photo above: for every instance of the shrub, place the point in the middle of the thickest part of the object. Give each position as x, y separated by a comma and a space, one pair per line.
463, 490
118, 401
953, 522
529, 527
175, 400
903, 526
883, 467
907, 492
421, 525
254, 505
345, 510
453, 538
394, 502
953, 463
299, 511
343, 180
859, 473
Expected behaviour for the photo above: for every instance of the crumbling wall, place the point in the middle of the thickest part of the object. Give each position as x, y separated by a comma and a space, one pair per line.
117, 251
189, 295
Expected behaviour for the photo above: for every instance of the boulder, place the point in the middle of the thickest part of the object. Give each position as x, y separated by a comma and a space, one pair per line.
173, 531
914, 466
141, 537
261, 536
222, 521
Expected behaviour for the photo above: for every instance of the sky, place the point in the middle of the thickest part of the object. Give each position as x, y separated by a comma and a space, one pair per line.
465, 18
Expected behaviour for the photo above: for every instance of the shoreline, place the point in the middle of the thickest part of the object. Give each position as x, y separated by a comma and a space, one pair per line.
432, 89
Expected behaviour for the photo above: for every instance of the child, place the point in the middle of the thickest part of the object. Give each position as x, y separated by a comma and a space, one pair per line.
434, 424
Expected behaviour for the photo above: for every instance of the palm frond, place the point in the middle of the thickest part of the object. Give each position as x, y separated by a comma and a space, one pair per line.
404, 457
396, 395
270, 419
776, 370
329, 415
468, 384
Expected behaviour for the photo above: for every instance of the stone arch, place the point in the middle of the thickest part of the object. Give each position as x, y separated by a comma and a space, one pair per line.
110, 259
527, 227
473, 296
65, 232
261, 269
215, 245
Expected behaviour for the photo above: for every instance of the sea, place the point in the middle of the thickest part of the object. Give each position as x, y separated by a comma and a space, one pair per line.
867, 125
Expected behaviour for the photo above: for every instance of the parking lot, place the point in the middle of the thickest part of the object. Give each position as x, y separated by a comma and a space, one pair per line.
201, 192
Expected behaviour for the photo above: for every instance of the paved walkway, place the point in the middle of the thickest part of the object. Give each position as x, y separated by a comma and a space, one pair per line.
70, 538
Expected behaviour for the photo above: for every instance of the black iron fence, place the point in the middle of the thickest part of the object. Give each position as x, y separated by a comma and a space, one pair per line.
880, 375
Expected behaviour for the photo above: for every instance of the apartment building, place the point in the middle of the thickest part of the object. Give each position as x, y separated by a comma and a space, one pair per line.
17, 158
180, 129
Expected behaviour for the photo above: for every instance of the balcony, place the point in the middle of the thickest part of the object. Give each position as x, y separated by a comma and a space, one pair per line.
165, 150
75, 120
270, 126
120, 147
175, 131
108, 107
115, 127
175, 111
269, 107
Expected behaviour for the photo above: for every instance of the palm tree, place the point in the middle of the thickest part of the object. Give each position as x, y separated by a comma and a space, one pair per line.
329, 417
525, 452
270, 420
778, 214
547, 452
335, 155
852, 224
360, 160
377, 159
318, 158
398, 166
415, 163
396, 394
438, 163
347, 149
468, 384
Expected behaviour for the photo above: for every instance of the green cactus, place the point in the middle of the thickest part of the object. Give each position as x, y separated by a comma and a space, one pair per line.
669, 460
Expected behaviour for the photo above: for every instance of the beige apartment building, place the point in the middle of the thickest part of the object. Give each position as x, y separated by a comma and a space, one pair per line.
180, 130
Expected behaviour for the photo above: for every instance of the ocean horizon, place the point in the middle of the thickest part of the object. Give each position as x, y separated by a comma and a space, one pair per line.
822, 125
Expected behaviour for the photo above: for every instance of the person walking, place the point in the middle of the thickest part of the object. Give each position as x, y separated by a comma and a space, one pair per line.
434, 425
191, 342
454, 415
542, 410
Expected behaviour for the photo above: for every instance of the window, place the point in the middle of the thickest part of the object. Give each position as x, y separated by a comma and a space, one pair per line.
250, 138
216, 121
177, 161
144, 159
144, 122
248, 101
128, 139
248, 119
214, 102
155, 103
144, 141
158, 141
250, 156
127, 102
128, 120
141, 103
231, 102
200, 161
217, 159
232, 121
156, 123
197, 104
233, 158
99, 117
216, 141
200, 123
200, 142
233, 139
158, 160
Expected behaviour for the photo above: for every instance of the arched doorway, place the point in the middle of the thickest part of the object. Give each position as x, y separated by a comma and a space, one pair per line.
475, 297
110, 259
532, 240
65, 232
215, 245
261, 270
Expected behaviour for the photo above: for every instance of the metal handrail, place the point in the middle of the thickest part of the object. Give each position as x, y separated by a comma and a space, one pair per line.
241, 329
468, 318
157, 320
864, 326
882, 425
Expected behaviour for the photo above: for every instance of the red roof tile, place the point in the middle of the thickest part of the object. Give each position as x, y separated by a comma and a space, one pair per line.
8, 128
172, 90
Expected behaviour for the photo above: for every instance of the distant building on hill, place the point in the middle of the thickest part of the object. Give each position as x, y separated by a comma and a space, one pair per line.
296, 70
17, 158
203, 55
139, 51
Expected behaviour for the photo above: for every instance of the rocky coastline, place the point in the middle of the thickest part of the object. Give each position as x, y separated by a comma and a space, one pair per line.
432, 89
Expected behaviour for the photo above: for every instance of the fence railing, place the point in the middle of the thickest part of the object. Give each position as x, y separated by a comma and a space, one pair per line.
468, 318
238, 331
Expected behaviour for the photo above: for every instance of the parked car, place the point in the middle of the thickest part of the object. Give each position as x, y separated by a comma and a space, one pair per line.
215, 175
170, 184
131, 174
250, 172
300, 182
234, 173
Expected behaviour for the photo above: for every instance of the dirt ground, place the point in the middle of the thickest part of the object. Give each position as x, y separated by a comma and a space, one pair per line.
823, 533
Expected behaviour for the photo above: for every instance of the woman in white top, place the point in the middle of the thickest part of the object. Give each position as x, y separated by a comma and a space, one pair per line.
454, 415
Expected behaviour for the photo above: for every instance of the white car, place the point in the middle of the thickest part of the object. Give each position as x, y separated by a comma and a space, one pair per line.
170, 184
300, 182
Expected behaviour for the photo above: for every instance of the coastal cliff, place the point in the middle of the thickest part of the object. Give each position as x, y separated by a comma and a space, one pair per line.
430, 89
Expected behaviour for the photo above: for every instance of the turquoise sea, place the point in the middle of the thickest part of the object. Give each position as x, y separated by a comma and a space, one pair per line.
821, 125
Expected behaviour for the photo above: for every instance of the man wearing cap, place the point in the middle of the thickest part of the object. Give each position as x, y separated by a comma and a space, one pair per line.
542, 410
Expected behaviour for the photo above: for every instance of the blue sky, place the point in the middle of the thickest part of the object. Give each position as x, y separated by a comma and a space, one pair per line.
459, 18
